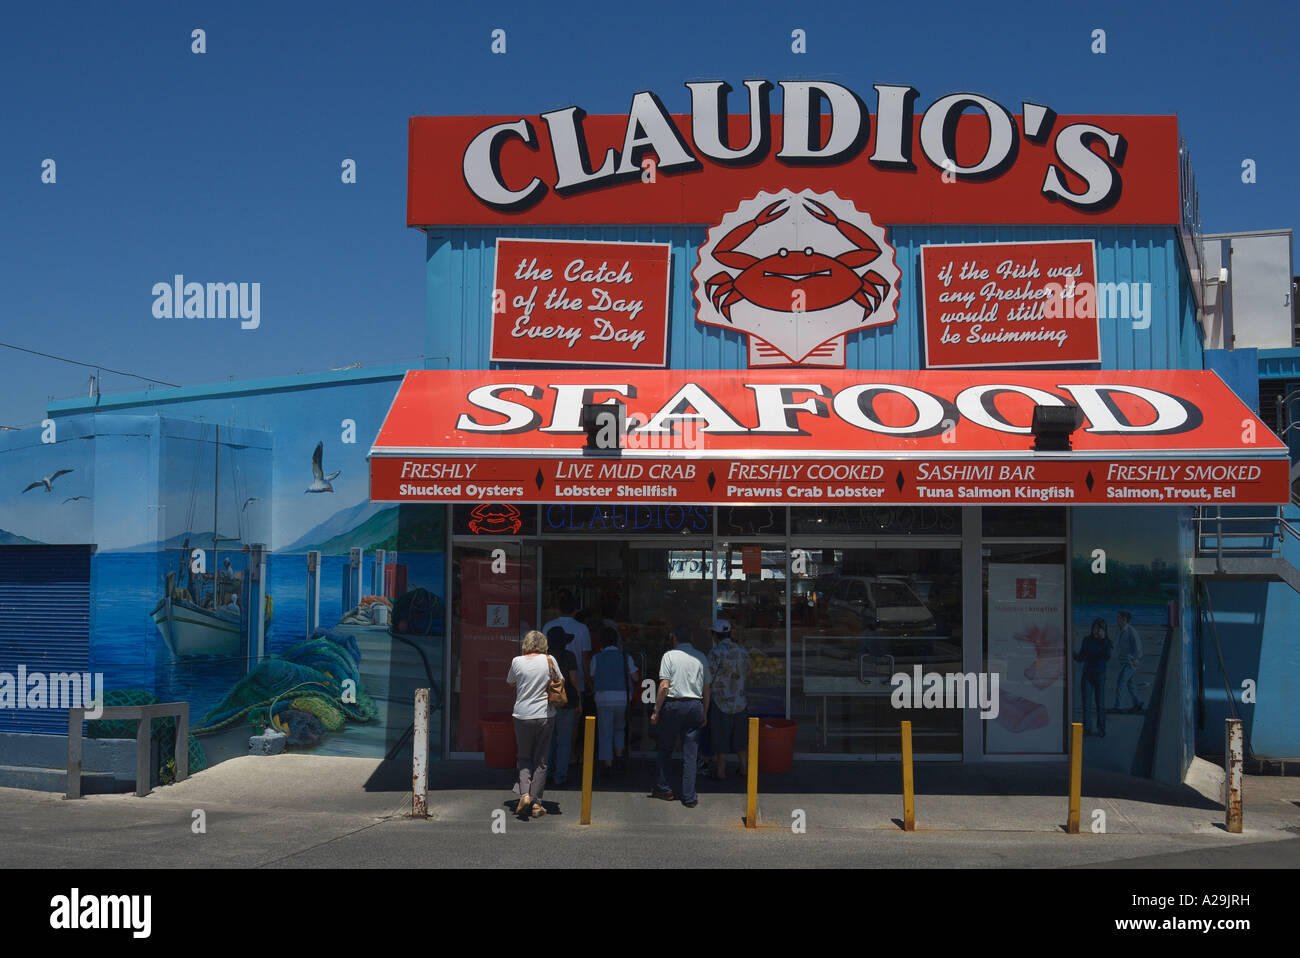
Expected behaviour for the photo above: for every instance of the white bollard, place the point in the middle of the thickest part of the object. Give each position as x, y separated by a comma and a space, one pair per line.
420, 759
1232, 749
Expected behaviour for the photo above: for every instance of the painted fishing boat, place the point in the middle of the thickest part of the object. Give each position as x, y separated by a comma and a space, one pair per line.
200, 612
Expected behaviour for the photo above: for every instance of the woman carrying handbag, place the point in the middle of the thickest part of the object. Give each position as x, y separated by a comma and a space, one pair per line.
539, 688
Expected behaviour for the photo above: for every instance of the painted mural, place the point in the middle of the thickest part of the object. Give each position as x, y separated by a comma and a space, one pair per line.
174, 498
1127, 641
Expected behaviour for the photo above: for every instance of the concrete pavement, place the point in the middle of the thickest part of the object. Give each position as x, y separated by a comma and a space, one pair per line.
313, 811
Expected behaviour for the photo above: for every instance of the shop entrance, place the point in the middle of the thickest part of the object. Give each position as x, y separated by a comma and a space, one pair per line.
641, 589
830, 605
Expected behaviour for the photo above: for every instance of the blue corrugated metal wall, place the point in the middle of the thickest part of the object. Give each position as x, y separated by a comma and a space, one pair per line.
460, 264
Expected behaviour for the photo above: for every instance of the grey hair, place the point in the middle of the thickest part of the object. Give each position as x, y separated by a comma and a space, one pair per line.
534, 641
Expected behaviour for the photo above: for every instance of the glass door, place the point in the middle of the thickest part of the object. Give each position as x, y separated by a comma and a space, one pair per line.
871, 620
751, 580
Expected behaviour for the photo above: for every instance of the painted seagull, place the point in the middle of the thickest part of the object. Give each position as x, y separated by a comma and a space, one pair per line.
48, 481
248, 500
74, 499
320, 482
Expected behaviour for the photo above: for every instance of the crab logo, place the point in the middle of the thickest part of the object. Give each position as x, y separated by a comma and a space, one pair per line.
495, 518
796, 272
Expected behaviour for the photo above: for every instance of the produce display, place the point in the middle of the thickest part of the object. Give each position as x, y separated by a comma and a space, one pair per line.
765, 669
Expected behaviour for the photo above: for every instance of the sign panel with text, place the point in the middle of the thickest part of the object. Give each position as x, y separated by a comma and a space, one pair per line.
583, 303
840, 436
937, 164
746, 481
1011, 304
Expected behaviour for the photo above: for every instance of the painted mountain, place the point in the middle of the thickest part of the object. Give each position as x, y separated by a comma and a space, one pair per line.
423, 528
13, 539
198, 540
338, 527
377, 532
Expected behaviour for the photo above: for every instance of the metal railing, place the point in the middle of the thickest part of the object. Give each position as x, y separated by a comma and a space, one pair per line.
1236, 536
143, 716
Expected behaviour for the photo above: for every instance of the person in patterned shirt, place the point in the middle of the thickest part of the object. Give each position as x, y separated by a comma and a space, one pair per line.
729, 664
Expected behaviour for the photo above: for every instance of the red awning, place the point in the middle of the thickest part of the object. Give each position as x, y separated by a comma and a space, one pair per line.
851, 437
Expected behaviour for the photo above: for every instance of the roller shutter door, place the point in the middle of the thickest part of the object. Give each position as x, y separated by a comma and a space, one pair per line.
44, 622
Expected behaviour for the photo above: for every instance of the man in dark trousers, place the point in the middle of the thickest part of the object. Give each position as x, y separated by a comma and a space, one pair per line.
681, 710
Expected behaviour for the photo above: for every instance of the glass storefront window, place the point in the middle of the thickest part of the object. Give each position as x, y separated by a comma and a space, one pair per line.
829, 619
752, 597
860, 615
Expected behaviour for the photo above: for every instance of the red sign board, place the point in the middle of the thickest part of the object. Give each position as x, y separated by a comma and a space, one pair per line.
580, 303
1013, 304
1029, 481
523, 158
833, 436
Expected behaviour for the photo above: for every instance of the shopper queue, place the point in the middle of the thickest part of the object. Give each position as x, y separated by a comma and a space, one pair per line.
572, 668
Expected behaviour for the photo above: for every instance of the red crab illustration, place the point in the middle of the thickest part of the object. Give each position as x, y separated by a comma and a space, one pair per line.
495, 519
771, 282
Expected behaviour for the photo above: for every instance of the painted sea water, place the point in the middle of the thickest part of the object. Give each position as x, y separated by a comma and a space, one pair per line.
128, 649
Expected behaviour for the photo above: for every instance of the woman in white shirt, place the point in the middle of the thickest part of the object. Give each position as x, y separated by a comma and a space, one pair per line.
530, 673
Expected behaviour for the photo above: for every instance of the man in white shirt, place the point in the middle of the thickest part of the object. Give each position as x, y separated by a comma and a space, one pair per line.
681, 709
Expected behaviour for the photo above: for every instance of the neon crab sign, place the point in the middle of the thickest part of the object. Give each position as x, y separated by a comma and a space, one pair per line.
787, 269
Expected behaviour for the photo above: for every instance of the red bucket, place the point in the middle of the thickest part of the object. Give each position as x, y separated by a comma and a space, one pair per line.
776, 744
499, 748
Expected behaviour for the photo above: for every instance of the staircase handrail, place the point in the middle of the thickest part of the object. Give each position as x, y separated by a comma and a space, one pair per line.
1283, 528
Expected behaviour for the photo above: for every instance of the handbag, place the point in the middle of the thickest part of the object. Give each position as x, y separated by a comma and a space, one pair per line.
555, 695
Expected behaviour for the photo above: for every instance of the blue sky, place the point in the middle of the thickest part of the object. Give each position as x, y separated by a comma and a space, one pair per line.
225, 166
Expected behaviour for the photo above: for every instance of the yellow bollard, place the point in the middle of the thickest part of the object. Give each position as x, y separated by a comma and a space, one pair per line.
588, 759
909, 796
751, 783
1076, 776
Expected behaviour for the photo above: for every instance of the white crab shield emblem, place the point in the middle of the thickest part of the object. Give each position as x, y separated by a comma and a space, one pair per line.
796, 272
